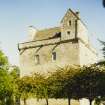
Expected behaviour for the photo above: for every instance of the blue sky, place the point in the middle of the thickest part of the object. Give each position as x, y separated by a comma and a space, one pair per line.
17, 15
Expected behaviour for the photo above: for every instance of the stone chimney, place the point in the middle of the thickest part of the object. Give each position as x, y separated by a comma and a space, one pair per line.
78, 14
32, 32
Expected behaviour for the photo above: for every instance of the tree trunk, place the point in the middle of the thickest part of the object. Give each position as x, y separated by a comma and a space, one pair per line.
46, 101
3, 102
90, 100
25, 103
69, 100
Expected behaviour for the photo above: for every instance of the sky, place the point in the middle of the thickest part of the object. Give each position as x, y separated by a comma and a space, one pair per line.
17, 15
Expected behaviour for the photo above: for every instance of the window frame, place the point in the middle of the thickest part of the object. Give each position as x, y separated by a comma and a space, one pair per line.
68, 32
54, 56
69, 23
37, 59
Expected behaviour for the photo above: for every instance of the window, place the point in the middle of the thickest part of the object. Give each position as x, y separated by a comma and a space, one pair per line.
37, 59
54, 56
69, 23
68, 32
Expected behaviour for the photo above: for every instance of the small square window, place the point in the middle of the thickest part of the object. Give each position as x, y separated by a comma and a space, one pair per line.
68, 32
54, 56
37, 61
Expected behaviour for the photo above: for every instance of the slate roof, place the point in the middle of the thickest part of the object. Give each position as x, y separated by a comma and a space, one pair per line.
48, 33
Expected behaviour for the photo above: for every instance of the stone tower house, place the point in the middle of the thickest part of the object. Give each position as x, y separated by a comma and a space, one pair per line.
57, 46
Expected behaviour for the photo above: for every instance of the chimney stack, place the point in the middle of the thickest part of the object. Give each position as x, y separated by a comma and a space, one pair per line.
32, 32
78, 14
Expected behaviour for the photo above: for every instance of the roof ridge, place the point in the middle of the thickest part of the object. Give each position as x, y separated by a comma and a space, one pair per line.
48, 28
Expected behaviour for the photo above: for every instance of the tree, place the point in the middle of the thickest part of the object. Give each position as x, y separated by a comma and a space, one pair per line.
15, 75
103, 46
55, 80
6, 86
72, 82
15, 72
35, 85
100, 99
25, 88
90, 81
41, 86
3, 59
63, 84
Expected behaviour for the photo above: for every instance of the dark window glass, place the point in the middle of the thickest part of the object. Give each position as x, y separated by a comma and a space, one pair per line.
68, 32
69, 23
54, 56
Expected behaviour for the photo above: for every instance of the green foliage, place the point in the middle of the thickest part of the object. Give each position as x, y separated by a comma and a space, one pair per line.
6, 86
7, 81
3, 59
68, 82
15, 73
33, 86
97, 101
15, 76
24, 87
90, 82
62, 83
103, 47
41, 87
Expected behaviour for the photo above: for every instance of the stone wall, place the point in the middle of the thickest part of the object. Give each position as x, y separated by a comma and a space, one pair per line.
82, 32
87, 54
66, 53
65, 26
71, 52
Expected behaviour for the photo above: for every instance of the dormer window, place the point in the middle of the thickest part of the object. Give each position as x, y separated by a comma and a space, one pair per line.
69, 23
